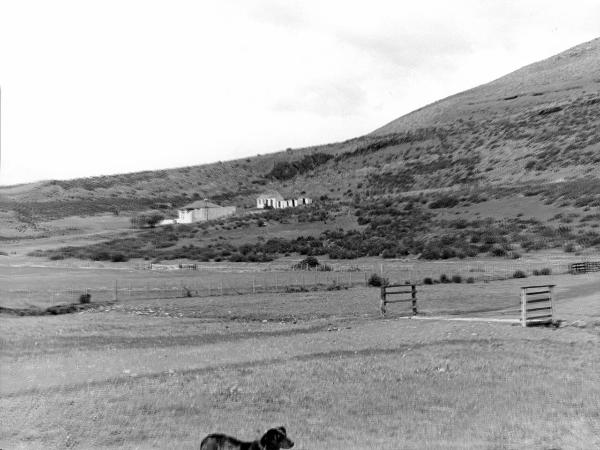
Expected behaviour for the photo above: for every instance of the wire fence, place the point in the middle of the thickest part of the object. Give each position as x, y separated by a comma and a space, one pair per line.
194, 287
209, 281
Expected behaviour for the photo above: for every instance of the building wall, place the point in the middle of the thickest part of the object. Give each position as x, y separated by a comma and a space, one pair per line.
262, 203
204, 214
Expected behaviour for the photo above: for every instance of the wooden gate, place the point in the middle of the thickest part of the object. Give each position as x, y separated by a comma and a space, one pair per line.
536, 305
394, 289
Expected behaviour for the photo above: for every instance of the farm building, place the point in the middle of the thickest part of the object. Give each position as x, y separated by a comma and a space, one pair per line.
275, 200
269, 200
203, 210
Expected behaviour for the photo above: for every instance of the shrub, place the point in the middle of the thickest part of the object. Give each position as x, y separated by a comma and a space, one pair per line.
118, 257
456, 279
309, 262
376, 281
444, 202
546, 271
56, 257
519, 274
388, 253
470, 280
444, 278
85, 298
498, 251
427, 280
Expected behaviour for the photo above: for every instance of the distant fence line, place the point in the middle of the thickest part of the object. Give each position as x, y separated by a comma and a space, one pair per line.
196, 280
192, 287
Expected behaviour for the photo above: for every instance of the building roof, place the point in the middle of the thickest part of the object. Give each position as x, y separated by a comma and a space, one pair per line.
200, 204
271, 194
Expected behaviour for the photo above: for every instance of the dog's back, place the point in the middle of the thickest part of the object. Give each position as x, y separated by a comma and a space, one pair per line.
273, 439
224, 442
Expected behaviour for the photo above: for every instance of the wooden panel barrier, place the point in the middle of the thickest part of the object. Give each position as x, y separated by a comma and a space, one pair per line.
408, 289
543, 309
584, 267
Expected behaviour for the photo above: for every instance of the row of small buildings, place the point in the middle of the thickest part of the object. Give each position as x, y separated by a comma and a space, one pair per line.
276, 201
203, 210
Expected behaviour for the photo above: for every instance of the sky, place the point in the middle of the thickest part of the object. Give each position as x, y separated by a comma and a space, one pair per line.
113, 86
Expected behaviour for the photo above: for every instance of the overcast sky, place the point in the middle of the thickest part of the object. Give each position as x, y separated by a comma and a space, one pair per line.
111, 86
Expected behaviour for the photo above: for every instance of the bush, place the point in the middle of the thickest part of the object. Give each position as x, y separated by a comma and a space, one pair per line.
544, 271
470, 280
444, 202
118, 257
427, 280
376, 281
498, 251
519, 274
456, 279
85, 298
310, 262
388, 253
444, 278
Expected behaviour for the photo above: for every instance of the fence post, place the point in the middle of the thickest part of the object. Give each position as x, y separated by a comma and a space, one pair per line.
523, 308
551, 295
116, 291
350, 279
382, 307
413, 295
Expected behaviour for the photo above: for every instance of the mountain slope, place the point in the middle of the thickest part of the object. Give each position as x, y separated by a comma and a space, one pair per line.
539, 124
561, 78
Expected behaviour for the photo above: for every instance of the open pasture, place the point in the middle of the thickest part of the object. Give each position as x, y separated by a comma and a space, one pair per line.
27, 281
163, 373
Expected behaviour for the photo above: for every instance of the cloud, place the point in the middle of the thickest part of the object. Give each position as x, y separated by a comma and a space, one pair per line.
409, 49
288, 15
343, 98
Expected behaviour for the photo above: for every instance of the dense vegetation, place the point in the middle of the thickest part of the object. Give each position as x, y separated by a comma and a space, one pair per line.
389, 227
285, 170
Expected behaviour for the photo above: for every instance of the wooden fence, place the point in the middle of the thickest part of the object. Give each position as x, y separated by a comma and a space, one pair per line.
394, 289
537, 305
584, 267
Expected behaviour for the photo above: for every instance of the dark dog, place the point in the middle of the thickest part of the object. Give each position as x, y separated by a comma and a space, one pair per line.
273, 439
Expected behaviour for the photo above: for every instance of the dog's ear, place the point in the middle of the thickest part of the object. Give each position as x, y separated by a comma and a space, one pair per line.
282, 429
270, 437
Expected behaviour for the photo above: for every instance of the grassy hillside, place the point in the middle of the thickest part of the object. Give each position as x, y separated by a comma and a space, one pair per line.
530, 137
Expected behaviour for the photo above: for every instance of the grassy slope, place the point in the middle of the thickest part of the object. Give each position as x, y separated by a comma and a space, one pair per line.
487, 146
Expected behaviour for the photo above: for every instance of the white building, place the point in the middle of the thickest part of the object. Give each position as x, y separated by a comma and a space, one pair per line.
203, 210
269, 199
276, 201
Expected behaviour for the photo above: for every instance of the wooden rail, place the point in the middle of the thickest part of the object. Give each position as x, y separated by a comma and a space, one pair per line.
584, 267
541, 300
394, 289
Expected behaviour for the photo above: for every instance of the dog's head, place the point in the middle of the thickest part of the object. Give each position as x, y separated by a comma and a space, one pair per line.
276, 438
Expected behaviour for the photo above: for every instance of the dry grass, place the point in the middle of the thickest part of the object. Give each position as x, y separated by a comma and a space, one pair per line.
337, 376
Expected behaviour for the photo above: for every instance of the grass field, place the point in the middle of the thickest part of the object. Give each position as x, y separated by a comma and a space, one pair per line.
163, 373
